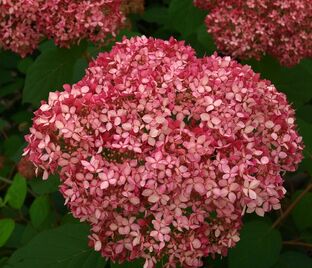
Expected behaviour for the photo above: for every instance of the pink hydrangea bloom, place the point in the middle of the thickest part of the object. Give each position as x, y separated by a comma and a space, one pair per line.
250, 29
68, 21
204, 4
18, 28
162, 152
23, 23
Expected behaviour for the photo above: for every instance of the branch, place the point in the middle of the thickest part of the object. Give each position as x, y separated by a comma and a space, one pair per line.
292, 206
5, 180
297, 243
10, 182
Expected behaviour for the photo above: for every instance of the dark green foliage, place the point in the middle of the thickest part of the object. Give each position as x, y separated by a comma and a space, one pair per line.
16, 193
259, 247
53, 68
62, 247
301, 215
293, 259
6, 229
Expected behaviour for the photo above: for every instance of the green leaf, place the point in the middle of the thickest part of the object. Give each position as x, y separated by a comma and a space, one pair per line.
305, 129
6, 229
68, 218
302, 213
28, 233
293, 259
46, 45
306, 235
2, 203
205, 39
259, 247
24, 65
65, 246
53, 68
15, 240
156, 14
42, 187
39, 210
13, 147
3, 261
185, 17
79, 69
16, 193
305, 112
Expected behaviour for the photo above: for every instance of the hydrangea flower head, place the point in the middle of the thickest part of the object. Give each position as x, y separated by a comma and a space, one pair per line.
250, 29
18, 29
68, 21
23, 23
162, 152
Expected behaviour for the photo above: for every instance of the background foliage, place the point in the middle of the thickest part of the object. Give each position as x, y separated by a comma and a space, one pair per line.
35, 228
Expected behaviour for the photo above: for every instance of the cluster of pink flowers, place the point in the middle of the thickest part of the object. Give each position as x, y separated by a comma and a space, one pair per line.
252, 28
204, 4
23, 23
18, 29
162, 152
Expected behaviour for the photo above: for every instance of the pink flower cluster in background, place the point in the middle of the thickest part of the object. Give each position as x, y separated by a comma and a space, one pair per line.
205, 4
252, 28
162, 153
23, 23
18, 29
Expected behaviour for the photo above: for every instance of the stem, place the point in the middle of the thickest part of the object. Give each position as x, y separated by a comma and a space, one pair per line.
22, 218
297, 243
4, 134
5, 180
87, 56
10, 182
31, 192
292, 206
